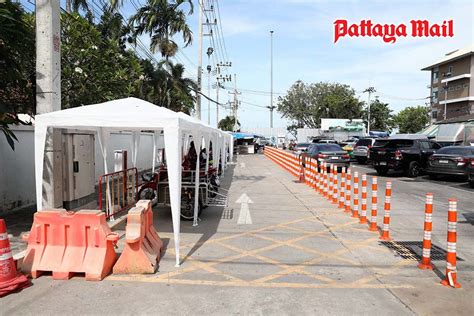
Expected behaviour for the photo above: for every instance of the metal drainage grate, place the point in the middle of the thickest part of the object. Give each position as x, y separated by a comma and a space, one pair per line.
412, 250
469, 218
228, 214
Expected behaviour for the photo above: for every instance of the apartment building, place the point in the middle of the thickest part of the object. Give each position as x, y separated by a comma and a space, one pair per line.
452, 85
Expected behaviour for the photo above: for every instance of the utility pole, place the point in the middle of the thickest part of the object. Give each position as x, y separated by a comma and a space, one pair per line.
48, 94
235, 104
369, 90
220, 78
199, 70
271, 107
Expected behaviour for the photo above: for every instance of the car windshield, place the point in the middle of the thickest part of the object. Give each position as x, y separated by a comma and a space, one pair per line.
302, 145
456, 150
329, 147
394, 143
364, 142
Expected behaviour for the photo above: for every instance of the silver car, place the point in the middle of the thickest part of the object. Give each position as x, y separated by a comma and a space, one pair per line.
361, 149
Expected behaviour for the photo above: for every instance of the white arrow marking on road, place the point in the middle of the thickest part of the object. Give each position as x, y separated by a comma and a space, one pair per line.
242, 165
244, 216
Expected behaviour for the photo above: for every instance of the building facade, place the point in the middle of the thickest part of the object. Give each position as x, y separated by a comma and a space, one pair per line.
452, 85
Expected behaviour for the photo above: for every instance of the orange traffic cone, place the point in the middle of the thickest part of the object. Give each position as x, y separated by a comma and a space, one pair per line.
10, 281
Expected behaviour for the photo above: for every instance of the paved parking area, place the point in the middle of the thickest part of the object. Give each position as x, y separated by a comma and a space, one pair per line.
294, 252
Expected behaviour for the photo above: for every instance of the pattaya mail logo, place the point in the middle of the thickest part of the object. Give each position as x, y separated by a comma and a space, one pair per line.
390, 32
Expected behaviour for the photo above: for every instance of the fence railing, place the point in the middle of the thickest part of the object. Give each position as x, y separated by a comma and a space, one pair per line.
118, 191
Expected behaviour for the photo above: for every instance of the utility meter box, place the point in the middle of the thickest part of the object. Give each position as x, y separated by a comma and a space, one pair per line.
78, 169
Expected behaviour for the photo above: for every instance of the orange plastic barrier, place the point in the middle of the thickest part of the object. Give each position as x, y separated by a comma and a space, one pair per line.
451, 271
143, 246
330, 183
66, 243
373, 218
10, 280
428, 226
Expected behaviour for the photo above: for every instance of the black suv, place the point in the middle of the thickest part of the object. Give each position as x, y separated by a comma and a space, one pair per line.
409, 154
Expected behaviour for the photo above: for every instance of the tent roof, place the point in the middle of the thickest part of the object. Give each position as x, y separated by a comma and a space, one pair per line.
128, 113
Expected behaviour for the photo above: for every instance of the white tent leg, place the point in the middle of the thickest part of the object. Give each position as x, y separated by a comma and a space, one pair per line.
196, 193
173, 144
135, 145
155, 140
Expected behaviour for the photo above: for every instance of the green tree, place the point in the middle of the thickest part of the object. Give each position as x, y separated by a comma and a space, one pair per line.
227, 123
162, 19
94, 69
17, 66
412, 119
381, 117
306, 104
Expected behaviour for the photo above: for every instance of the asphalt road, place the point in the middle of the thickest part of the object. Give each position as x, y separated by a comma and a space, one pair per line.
281, 248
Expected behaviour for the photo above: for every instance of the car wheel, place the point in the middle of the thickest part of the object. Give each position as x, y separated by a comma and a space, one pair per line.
413, 169
471, 184
361, 160
381, 171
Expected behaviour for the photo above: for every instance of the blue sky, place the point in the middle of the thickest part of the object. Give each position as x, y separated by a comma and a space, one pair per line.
304, 49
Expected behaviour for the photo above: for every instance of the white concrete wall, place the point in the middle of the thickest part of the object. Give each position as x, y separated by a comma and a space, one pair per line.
17, 186
17, 174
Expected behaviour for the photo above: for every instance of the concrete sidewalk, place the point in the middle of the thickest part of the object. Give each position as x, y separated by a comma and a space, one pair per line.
283, 249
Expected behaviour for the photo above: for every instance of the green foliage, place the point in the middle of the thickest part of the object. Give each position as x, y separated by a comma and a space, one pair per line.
227, 124
381, 118
94, 68
162, 19
308, 103
17, 66
412, 119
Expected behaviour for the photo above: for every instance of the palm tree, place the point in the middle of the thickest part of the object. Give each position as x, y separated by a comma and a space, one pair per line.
162, 19
181, 88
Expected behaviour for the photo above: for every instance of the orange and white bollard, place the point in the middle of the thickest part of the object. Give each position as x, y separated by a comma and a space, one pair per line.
330, 183
386, 216
426, 255
373, 217
348, 191
451, 247
321, 179
343, 188
326, 180
335, 184
363, 211
355, 208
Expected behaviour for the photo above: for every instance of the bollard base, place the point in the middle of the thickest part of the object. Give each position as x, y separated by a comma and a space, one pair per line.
373, 228
425, 266
355, 215
386, 238
363, 220
446, 283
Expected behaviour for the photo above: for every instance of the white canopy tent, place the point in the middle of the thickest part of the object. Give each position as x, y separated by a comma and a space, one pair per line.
132, 114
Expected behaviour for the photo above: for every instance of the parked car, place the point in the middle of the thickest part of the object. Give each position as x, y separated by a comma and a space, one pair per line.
301, 147
323, 141
470, 172
349, 148
409, 153
450, 160
361, 149
329, 153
